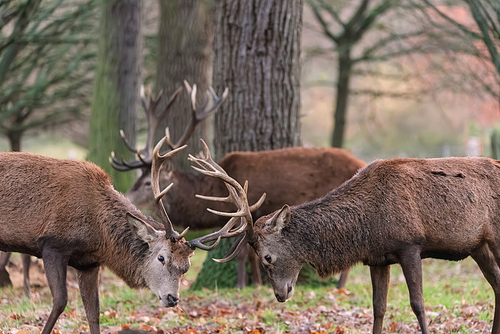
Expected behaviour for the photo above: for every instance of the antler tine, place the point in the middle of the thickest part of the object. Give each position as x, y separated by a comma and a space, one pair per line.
144, 155
157, 163
198, 113
235, 249
240, 224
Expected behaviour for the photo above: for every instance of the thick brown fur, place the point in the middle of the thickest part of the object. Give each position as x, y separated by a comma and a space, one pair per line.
69, 210
288, 176
394, 211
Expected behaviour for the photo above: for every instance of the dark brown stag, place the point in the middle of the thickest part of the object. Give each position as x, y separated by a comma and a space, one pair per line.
67, 213
394, 211
290, 175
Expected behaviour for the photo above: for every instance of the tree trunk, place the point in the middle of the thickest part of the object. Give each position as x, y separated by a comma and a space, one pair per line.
344, 74
257, 55
116, 88
185, 53
15, 141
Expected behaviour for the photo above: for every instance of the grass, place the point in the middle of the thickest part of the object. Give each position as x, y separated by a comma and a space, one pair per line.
449, 289
455, 294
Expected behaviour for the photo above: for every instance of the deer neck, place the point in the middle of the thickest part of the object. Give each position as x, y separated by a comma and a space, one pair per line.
185, 209
122, 251
331, 233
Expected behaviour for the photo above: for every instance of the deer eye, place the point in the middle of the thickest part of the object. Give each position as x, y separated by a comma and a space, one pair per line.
268, 258
147, 183
161, 259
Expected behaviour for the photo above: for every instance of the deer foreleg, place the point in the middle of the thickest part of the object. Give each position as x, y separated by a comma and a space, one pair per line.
488, 265
411, 263
55, 271
343, 279
26, 273
4, 275
380, 282
88, 281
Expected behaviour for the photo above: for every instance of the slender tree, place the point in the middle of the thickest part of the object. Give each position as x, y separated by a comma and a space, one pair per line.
117, 85
363, 34
479, 38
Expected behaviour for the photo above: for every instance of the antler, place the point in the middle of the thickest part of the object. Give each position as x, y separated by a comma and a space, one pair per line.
241, 223
157, 162
153, 119
199, 112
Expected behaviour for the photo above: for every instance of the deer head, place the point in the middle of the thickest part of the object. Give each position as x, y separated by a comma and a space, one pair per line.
141, 192
265, 237
169, 255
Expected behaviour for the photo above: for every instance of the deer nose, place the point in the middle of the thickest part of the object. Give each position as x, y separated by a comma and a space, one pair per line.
278, 298
289, 288
172, 301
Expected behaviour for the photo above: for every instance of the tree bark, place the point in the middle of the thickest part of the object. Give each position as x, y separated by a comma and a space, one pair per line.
185, 53
257, 55
344, 75
117, 83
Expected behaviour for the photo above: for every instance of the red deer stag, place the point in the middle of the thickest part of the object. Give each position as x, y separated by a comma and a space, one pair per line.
393, 211
290, 175
67, 213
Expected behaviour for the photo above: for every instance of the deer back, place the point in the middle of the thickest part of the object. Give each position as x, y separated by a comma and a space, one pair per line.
48, 198
290, 175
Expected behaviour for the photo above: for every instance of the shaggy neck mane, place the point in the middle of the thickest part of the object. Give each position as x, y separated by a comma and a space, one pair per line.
124, 253
329, 232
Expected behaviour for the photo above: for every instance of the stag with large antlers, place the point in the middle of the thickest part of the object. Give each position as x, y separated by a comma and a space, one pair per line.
67, 213
393, 211
291, 175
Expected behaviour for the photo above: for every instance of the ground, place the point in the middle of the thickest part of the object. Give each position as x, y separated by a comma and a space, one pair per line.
458, 300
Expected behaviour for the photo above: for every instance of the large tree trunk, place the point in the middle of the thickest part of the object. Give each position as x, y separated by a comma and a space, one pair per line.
185, 52
257, 55
116, 88
344, 74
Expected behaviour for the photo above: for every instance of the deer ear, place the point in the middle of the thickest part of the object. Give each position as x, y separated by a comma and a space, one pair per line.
145, 231
279, 220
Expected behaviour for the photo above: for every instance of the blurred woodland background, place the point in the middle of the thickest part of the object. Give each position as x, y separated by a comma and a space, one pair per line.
383, 79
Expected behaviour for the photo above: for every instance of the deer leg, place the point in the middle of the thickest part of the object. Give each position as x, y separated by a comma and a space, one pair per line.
88, 281
55, 271
411, 263
254, 266
380, 282
26, 273
242, 275
488, 265
343, 279
4, 275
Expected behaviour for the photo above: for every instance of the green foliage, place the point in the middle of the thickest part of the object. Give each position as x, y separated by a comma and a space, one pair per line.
217, 275
46, 56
